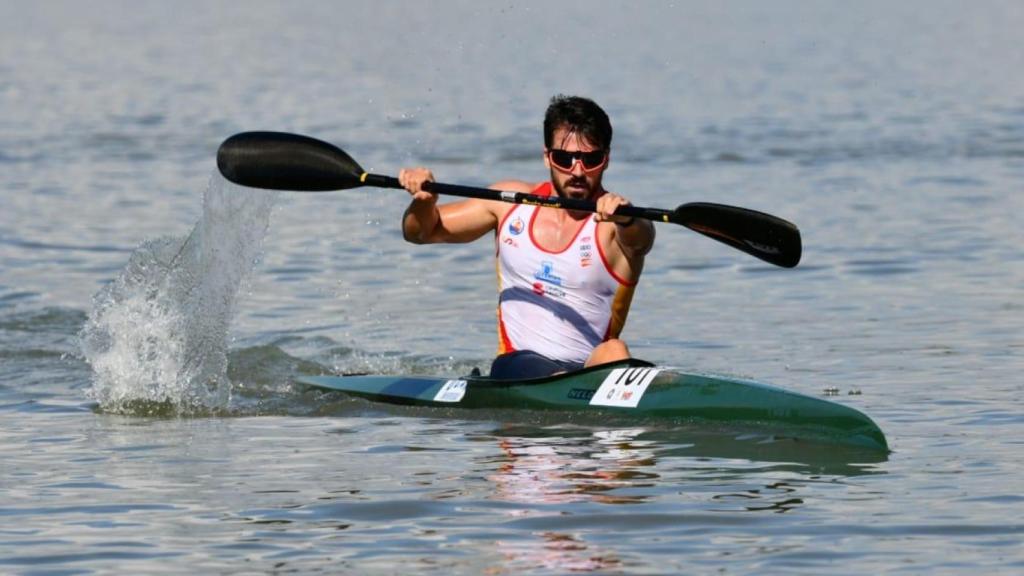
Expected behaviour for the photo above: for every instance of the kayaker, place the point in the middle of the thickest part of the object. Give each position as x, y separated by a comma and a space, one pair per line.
566, 278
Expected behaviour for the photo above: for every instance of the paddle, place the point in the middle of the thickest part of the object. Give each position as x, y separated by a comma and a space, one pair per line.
281, 161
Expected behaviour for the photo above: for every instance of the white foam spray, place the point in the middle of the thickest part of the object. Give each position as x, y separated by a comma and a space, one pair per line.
157, 336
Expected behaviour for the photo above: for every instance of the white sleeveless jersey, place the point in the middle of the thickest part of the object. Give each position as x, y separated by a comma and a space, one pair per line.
558, 304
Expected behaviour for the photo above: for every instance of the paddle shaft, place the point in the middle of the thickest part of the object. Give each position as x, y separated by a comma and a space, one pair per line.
282, 161
382, 181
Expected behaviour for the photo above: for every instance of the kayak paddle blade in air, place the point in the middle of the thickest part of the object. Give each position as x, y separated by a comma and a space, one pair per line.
767, 237
282, 161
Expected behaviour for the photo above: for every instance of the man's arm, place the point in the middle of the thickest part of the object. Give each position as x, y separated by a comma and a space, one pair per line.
426, 222
635, 236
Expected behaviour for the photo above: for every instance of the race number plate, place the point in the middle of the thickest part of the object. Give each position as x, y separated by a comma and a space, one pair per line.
624, 387
451, 391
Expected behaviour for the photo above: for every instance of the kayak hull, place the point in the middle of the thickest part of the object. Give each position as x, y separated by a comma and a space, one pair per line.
633, 389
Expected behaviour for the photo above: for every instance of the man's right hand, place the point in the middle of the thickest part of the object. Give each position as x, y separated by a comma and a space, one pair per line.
412, 179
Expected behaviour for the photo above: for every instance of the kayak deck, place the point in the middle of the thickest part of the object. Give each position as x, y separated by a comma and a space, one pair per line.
633, 388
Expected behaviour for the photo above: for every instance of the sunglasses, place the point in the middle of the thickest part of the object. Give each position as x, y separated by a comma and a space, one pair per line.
565, 160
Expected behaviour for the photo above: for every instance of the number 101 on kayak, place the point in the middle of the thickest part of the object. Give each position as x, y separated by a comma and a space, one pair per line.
624, 387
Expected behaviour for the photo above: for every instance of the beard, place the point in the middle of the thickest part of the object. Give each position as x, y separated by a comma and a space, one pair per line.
571, 188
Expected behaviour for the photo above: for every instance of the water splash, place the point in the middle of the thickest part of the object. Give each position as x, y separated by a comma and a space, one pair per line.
156, 337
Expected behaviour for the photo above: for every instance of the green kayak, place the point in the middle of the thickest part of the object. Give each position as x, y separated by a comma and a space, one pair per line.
633, 389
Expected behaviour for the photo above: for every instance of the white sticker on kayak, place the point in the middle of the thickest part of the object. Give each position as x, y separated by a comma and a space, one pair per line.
624, 387
451, 391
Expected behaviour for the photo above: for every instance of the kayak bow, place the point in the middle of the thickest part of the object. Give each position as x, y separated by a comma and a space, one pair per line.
632, 388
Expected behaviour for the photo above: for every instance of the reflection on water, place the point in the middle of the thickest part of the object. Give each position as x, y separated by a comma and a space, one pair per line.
552, 470
553, 464
557, 551
538, 470
543, 469
779, 495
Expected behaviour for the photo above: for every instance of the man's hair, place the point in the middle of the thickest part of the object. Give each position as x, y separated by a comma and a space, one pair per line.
580, 115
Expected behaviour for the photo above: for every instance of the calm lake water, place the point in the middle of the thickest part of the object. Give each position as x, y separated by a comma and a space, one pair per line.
891, 133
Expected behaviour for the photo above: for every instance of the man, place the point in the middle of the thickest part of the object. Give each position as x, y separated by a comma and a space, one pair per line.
566, 278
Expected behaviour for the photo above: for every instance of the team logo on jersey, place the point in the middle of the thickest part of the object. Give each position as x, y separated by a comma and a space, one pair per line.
542, 289
547, 273
548, 283
516, 226
586, 252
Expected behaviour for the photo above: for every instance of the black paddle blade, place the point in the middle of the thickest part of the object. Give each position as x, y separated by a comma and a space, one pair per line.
762, 235
281, 161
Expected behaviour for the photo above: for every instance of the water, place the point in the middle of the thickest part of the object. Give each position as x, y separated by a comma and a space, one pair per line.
158, 333
893, 135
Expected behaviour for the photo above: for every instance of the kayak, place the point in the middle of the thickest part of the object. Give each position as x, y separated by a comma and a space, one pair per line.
634, 389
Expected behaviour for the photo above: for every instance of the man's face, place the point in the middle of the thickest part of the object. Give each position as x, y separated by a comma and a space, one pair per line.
583, 179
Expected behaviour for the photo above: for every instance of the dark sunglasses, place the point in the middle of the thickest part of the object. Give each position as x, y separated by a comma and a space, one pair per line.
564, 160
